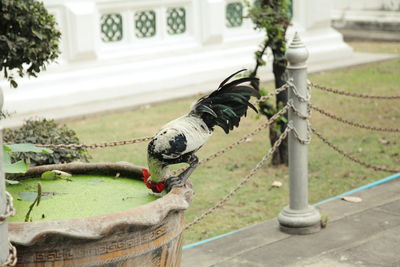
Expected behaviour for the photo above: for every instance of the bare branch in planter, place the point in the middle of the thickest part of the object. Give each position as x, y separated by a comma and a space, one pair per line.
36, 201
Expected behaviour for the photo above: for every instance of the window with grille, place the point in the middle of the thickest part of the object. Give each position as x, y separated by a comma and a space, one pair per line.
111, 27
176, 20
234, 14
145, 24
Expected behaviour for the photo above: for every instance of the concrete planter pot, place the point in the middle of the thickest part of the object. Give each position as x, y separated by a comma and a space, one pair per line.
149, 235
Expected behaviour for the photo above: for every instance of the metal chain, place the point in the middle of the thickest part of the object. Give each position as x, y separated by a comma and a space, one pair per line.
242, 182
306, 117
12, 256
297, 112
96, 145
304, 99
274, 93
340, 92
10, 210
362, 163
239, 141
307, 139
352, 123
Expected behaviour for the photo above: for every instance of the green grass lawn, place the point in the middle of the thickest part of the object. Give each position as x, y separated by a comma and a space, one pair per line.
329, 173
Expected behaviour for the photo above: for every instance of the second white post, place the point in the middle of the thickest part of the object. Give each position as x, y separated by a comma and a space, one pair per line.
299, 217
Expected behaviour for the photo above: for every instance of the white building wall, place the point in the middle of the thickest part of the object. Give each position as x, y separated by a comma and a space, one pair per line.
91, 70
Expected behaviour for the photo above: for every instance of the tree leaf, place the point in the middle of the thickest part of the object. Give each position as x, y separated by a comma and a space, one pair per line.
27, 196
11, 182
6, 148
17, 167
6, 157
29, 148
55, 174
49, 175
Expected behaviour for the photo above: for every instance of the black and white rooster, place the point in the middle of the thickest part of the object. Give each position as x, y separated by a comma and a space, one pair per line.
180, 139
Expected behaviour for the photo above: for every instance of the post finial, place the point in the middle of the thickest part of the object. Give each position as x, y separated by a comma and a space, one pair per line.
297, 53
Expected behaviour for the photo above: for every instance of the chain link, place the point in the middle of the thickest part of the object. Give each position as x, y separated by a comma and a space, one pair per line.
304, 99
9, 211
340, 92
352, 123
12, 256
303, 141
242, 182
97, 145
274, 93
362, 163
307, 139
297, 112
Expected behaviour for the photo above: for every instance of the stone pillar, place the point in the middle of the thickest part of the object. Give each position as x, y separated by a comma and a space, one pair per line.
299, 217
82, 30
212, 21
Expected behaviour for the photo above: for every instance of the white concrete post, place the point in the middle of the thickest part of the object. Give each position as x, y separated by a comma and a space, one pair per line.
299, 217
3, 226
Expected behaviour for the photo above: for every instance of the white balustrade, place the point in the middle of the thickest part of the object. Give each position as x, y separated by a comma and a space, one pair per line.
114, 49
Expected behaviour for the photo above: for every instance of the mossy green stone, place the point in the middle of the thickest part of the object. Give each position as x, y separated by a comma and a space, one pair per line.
78, 197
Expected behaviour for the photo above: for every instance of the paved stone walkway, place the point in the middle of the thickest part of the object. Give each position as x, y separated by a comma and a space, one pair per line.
357, 234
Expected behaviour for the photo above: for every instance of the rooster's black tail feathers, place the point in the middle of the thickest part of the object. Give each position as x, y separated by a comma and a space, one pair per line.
225, 106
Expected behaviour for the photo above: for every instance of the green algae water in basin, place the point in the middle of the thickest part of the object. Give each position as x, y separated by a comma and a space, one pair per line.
78, 196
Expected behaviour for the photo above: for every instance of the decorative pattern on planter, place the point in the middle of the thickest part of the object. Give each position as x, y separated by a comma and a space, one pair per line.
176, 20
145, 24
111, 27
234, 15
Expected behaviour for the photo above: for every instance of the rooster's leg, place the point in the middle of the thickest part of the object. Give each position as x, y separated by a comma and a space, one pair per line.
181, 179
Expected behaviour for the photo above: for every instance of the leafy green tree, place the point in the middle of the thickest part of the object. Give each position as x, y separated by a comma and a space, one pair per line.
273, 17
28, 38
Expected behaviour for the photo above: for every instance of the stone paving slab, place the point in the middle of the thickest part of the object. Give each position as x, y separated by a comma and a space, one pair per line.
358, 234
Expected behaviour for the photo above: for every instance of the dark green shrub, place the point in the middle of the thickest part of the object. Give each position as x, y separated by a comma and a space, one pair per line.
45, 132
28, 38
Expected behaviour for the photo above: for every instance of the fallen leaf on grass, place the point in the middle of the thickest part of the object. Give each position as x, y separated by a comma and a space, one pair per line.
383, 141
276, 184
352, 199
